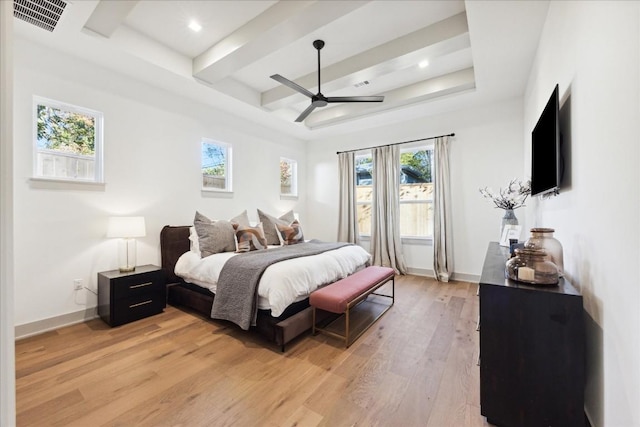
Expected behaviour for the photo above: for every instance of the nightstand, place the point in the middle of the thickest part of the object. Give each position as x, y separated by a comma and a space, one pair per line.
125, 297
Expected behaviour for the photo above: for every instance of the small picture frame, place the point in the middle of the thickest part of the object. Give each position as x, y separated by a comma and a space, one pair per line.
510, 232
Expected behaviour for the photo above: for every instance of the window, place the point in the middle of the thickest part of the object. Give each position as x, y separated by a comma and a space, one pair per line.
416, 192
216, 166
68, 142
288, 177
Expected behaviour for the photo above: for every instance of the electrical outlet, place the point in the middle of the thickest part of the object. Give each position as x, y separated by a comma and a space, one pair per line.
77, 284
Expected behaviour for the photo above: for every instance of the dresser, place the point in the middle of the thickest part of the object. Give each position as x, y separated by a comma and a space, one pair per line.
532, 346
125, 297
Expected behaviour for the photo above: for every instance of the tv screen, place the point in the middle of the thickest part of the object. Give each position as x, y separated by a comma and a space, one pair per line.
545, 149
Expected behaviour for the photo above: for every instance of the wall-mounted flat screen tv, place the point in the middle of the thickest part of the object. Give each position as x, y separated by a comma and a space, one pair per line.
546, 162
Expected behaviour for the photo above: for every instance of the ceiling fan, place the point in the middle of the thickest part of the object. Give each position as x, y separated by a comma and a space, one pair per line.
319, 100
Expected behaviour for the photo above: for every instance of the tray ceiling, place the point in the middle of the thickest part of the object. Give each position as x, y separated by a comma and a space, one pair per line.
372, 48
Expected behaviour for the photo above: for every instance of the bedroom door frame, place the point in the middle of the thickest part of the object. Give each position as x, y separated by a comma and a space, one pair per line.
7, 333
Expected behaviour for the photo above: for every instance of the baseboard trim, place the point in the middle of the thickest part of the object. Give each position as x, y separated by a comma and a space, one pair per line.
40, 326
425, 272
465, 277
462, 277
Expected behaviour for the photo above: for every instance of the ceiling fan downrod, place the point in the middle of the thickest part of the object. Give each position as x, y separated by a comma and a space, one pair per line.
318, 44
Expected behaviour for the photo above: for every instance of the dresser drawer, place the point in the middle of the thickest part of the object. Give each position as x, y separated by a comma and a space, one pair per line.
138, 307
137, 285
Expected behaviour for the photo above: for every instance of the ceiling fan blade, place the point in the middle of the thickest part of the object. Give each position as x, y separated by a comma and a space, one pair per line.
292, 85
355, 98
305, 113
318, 99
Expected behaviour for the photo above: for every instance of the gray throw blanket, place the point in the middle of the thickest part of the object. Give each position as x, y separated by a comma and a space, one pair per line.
236, 293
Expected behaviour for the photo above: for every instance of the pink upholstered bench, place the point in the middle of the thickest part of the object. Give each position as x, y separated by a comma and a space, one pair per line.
341, 296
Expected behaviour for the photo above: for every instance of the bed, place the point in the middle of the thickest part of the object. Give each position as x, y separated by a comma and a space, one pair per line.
280, 321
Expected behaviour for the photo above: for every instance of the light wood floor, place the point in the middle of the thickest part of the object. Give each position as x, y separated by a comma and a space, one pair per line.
415, 367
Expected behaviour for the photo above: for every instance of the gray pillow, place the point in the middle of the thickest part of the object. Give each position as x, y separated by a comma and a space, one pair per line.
269, 225
241, 219
201, 218
214, 236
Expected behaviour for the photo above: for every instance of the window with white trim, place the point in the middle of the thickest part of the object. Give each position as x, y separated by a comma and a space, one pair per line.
288, 177
67, 142
415, 191
216, 165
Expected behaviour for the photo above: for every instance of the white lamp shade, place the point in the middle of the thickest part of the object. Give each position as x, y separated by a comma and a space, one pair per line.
126, 226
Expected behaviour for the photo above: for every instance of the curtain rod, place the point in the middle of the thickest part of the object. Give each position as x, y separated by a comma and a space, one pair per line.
396, 143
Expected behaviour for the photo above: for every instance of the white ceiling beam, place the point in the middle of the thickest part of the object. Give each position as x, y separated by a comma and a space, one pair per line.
231, 87
455, 82
280, 25
108, 16
441, 38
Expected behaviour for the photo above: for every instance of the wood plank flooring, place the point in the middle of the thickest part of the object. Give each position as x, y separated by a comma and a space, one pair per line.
416, 366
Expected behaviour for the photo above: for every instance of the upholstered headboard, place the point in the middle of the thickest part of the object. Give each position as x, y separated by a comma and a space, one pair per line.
174, 241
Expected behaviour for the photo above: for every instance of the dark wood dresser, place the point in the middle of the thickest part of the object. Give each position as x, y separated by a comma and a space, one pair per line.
532, 346
125, 297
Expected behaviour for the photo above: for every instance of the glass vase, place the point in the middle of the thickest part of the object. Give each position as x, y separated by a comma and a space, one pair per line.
509, 218
542, 238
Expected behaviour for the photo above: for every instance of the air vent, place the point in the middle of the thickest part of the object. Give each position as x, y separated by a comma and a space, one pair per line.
362, 83
41, 13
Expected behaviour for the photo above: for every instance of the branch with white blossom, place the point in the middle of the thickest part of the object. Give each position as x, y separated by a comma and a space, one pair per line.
512, 197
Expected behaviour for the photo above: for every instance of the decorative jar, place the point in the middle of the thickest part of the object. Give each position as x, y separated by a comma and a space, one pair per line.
532, 266
542, 238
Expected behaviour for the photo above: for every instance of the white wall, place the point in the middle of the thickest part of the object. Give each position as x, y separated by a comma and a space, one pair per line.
152, 168
591, 49
486, 151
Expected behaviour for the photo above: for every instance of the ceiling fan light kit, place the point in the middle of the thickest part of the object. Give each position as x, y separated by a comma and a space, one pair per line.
318, 99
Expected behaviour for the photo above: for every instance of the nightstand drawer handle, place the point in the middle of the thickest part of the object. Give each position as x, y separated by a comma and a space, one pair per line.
140, 285
141, 303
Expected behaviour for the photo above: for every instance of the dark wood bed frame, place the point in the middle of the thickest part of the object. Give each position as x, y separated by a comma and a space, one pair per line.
174, 241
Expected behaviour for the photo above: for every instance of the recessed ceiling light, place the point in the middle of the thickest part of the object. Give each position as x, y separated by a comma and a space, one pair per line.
423, 64
193, 25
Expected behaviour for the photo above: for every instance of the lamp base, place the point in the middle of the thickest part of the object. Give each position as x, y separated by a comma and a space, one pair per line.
127, 255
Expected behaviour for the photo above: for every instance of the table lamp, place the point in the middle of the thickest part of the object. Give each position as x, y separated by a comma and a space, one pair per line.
127, 228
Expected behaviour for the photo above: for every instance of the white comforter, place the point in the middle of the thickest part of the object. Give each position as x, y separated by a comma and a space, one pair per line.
282, 283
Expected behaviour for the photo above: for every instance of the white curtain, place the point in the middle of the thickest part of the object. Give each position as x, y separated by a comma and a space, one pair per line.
442, 250
348, 214
386, 247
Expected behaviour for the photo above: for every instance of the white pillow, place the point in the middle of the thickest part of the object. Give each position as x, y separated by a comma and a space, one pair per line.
194, 241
